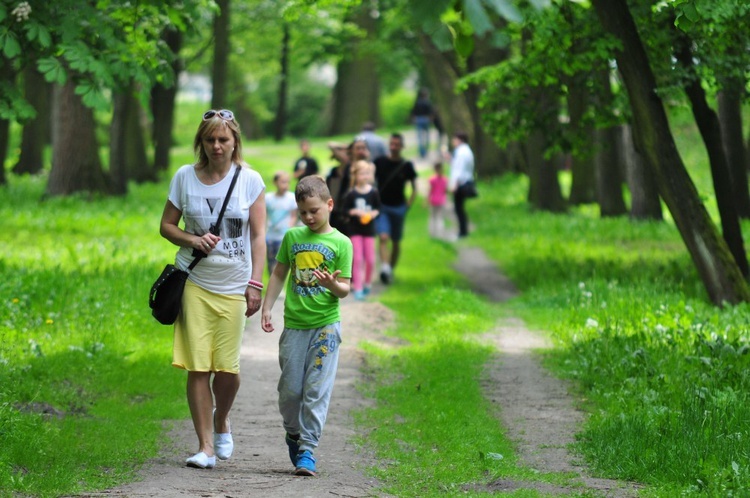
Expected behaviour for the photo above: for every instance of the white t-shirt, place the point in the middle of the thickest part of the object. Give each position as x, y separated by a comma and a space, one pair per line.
462, 166
227, 268
279, 209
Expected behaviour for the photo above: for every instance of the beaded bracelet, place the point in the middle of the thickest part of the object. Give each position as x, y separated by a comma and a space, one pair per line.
255, 285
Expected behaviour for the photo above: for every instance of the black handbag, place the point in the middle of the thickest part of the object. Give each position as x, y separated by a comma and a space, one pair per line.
469, 190
165, 299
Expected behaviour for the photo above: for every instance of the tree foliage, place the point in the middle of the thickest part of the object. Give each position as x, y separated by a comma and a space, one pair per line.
101, 45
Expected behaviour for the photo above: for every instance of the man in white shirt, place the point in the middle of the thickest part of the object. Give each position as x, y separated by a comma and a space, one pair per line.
462, 172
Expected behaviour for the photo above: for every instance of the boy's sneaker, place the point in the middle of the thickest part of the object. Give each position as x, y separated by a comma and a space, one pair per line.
359, 295
366, 291
293, 445
305, 465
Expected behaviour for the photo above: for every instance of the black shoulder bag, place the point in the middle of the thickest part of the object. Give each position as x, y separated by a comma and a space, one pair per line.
165, 299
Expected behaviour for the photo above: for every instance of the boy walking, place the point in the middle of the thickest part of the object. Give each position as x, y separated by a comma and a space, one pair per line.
320, 260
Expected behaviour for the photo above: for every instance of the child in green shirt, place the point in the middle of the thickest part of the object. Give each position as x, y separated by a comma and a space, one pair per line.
320, 260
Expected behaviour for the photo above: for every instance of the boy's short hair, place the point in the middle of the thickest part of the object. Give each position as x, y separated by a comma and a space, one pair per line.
312, 186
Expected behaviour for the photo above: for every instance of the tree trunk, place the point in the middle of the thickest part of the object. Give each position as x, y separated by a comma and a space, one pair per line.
544, 185
76, 165
730, 117
127, 152
357, 91
220, 70
442, 76
36, 132
4, 139
489, 158
7, 77
583, 186
645, 203
608, 174
163, 105
715, 264
279, 126
710, 129
607, 161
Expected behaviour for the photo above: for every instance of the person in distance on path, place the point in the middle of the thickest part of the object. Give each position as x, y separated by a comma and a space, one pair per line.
392, 173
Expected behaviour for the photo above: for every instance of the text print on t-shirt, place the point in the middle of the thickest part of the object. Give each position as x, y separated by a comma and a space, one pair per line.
232, 244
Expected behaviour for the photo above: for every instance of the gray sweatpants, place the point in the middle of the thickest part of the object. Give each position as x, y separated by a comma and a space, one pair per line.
308, 360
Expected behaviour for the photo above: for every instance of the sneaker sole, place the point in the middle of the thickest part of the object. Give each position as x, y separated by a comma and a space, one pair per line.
304, 472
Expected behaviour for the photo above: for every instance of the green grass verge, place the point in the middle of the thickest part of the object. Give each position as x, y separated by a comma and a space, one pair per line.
664, 373
79, 405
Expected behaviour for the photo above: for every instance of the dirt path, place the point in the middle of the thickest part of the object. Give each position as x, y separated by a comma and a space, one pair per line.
260, 465
535, 408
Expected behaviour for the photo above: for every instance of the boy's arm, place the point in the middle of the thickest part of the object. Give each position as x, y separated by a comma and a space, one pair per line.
275, 284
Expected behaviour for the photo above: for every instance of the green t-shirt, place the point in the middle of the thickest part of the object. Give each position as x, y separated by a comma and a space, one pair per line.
307, 304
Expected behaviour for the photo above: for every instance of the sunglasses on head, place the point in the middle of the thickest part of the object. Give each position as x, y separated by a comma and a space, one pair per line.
224, 114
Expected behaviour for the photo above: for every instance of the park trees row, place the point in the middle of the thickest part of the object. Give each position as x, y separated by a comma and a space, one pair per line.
592, 82
530, 81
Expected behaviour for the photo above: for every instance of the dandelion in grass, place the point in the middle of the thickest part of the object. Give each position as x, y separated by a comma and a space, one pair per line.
49, 321
15, 300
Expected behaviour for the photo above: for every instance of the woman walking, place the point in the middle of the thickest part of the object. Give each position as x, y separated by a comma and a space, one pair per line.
225, 286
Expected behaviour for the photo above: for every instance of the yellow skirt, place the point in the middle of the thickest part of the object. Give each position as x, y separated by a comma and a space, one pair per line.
208, 331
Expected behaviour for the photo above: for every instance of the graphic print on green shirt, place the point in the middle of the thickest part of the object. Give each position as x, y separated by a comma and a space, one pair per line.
307, 304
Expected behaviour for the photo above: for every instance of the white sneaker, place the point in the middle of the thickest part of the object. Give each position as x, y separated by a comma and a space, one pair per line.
223, 443
201, 461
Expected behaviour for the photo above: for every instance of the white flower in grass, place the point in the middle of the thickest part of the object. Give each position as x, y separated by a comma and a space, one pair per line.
660, 328
591, 323
581, 285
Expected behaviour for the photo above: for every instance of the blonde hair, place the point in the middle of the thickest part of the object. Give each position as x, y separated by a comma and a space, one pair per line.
358, 166
207, 127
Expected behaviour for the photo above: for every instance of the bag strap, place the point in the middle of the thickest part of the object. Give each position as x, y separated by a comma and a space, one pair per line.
217, 226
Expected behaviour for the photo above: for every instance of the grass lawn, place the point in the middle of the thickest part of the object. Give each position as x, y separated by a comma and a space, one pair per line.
663, 373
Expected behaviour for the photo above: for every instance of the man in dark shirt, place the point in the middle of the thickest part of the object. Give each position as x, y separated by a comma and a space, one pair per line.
392, 173
305, 165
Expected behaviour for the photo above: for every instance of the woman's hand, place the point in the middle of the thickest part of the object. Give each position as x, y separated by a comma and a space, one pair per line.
206, 242
252, 296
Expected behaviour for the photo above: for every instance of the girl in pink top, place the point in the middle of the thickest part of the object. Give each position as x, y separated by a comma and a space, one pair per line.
437, 198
